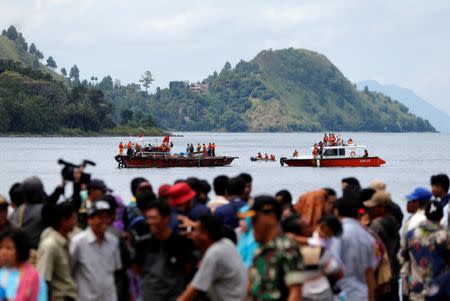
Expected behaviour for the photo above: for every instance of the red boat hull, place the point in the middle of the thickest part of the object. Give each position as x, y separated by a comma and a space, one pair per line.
335, 162
172, 161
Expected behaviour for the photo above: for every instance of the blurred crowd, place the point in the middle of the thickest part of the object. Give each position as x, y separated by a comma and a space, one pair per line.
181, 241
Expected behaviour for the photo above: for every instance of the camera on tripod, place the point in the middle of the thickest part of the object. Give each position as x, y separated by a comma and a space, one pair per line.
69, 168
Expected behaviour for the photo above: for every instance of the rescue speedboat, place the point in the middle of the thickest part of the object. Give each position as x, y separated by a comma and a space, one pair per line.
336, 156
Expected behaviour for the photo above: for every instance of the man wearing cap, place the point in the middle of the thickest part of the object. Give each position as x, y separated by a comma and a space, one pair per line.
181, 198
385, 225
95, 256
276, 271
96, 190
417, 201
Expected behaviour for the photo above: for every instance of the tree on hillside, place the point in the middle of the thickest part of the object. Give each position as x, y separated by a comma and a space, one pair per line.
106, 84
227, 66
39, 54
12, 33
35, 63
32, 49
64, 72
127, 116
74, 75
146, 80
21, 43
51, 63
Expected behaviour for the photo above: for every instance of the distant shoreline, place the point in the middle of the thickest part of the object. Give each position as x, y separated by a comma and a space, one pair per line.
102, 135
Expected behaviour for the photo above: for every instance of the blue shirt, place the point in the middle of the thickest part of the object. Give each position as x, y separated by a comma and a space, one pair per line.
247, 244
228, 212
194, 214
356, 248
9, 281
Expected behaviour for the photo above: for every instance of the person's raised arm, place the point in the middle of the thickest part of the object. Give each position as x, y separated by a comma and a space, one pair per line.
189, 294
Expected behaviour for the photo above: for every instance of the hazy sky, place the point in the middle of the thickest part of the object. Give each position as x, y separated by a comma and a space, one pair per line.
400, 42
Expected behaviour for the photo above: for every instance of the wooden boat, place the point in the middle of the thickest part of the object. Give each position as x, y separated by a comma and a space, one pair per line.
254, 159
164, 160
335, 156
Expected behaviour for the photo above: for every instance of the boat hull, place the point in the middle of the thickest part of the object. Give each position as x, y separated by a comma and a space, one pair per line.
254, 159
172, 161
334, 162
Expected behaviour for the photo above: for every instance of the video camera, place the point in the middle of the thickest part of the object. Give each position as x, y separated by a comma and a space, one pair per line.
69, 168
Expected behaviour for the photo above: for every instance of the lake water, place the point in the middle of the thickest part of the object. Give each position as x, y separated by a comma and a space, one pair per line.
411, 159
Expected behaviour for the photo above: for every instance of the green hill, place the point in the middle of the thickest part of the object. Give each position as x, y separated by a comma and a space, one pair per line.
34, 99
9, 50
282, 90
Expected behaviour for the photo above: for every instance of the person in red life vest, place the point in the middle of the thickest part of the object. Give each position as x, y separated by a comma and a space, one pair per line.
166, 141
204, 150
213, 149
266, 157
272, 157
259, 156
295, 154
120, 148
209, 151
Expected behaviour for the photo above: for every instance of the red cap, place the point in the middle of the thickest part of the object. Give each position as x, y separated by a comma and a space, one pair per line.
180, 193
163, 190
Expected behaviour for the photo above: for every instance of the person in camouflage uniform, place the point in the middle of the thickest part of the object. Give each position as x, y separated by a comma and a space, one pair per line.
426, 249
276, 272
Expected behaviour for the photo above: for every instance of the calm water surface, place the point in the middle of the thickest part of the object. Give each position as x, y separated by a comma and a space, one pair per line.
411, 160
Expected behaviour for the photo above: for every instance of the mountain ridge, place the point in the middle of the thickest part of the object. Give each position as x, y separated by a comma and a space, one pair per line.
417, 105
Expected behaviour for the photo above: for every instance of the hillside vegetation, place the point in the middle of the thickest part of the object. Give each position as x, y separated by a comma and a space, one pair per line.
34, 99
283, 90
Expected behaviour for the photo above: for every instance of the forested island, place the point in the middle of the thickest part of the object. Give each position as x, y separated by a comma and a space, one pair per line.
278, 90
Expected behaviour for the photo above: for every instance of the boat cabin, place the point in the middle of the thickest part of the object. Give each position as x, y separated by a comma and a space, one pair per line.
343, 151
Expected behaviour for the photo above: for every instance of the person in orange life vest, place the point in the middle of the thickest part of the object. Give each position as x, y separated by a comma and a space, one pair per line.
129, 146
295, 154
272, 157
121, 149
266, 157
213, 149
204, 150
315, 150
259, 156
350, 141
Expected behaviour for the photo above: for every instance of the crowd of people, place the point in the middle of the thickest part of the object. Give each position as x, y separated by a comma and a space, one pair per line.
205, 150
333, 139
136, 149
178, 243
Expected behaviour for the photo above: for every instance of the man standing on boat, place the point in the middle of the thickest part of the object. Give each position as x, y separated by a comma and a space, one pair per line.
120, 149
